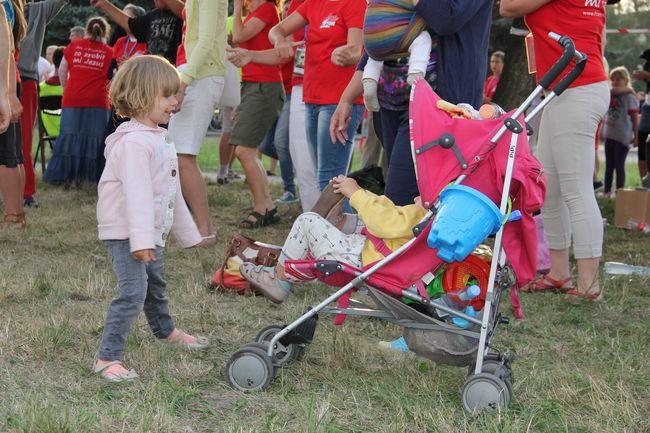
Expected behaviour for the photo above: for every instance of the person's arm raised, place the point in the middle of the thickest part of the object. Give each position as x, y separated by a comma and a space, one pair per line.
118, 17
280, 34
176, 6
243, 32
519, 8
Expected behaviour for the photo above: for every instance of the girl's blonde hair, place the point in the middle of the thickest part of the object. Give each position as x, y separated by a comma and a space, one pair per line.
139, 81
621, 72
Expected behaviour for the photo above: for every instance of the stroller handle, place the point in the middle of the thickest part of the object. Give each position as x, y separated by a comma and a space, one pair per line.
581, 62
560, 65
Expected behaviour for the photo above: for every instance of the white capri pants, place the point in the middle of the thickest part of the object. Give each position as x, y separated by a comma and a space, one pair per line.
303, 163
189, 126
567, 132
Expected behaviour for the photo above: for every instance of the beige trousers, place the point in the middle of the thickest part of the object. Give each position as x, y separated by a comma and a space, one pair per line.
566, 149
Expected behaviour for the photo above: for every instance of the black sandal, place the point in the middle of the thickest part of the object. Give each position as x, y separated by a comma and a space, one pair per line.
271, 216
260, 221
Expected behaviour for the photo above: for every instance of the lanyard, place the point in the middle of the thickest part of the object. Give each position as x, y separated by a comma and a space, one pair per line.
129, 53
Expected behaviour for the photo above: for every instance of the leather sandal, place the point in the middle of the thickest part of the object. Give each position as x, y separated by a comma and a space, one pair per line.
13, 221
575, 296
547, 284
105, 372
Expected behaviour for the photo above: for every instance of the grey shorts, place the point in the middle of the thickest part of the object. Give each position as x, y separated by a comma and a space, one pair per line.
261, 104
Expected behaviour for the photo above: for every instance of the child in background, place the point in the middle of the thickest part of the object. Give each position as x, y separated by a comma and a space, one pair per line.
140, 201
621, 124
381, 227
496, 66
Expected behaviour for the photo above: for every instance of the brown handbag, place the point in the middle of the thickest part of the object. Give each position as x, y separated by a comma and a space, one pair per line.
242, 249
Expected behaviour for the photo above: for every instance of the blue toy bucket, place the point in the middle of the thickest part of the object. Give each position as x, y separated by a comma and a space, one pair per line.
464, 219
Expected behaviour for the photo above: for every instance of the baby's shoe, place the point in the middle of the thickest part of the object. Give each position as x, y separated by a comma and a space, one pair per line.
266, 281
370, 94
398, 345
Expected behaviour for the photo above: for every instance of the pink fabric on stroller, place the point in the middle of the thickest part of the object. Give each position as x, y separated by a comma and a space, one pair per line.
437, 167
486, 170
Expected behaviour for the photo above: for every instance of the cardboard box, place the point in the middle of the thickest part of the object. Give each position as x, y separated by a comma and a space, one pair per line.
632, 204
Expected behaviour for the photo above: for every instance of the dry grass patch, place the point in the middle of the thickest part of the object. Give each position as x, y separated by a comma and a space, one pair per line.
580, 368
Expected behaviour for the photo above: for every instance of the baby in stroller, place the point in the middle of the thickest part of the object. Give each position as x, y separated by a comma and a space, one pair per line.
379, 228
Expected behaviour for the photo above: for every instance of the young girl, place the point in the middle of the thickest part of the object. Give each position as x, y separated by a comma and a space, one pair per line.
621, 123
139, 202
381, 226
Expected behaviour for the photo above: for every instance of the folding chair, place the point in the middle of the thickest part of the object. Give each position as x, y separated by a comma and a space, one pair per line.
50, 106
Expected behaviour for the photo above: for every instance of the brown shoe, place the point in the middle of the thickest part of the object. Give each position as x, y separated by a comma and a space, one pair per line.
327, 202
13, 221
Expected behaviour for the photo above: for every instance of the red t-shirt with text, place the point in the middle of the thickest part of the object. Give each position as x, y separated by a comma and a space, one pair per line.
329, 22
254, 72
583, 21
88, 63
127, 47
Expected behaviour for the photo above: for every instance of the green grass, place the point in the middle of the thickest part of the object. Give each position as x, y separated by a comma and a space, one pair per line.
579, 368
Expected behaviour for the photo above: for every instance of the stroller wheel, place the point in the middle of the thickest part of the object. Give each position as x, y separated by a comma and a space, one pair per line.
282, 353
497, 365
250, 369
485, 391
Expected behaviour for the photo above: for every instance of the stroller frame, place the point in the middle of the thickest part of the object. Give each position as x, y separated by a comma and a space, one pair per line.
278, 345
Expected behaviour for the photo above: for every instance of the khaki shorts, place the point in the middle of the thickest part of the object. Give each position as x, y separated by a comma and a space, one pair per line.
261, 104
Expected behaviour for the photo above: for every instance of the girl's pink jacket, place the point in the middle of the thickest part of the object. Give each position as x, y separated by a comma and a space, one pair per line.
139, 184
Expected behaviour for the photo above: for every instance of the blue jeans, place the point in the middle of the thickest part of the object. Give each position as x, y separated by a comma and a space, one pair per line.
392, 128
331, 159
140, 286
276, 146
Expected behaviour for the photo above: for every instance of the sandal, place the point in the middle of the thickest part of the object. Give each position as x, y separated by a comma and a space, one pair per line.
184, 341
575, 296
265, 279
547, 284
272, 216
13, 221
250, 224
112, 373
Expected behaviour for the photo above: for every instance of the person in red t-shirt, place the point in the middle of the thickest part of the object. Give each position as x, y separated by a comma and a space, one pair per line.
78, 151
496, 66
262, 97
128, 46
333, 47
566, 140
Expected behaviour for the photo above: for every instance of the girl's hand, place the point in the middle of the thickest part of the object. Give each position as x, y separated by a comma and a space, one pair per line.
345, 55
284, 48
339, 123
144, 255
345, 185
239, 57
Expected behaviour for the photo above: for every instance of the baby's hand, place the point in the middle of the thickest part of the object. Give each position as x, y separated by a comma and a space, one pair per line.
345, 185
144, 255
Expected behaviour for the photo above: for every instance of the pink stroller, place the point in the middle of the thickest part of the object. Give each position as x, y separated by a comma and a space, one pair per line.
488, 163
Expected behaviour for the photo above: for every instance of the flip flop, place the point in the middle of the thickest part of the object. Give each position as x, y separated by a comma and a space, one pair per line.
104, 372
547, 284
178, 342
575, 296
